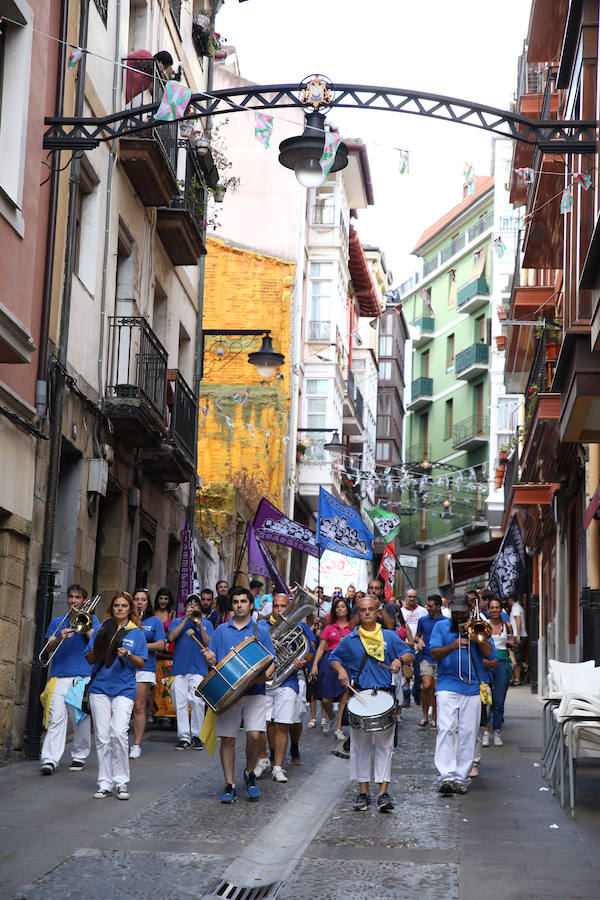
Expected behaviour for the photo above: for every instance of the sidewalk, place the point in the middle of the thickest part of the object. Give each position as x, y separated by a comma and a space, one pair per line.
173, 839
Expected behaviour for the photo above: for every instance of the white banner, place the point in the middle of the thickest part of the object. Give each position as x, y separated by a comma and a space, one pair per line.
337, 570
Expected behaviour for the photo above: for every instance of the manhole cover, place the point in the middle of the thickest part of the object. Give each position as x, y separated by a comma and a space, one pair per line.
235, 892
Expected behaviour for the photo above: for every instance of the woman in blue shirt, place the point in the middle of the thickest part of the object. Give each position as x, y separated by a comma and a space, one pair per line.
112, 692
154, 633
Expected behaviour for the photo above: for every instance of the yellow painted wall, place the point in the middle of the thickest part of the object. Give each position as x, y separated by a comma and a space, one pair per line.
243, 289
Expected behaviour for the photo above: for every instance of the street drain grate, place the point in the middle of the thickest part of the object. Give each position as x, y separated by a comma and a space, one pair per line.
234, 892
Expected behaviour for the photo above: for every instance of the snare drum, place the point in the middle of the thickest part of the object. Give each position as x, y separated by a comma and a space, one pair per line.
372, 710
233, 676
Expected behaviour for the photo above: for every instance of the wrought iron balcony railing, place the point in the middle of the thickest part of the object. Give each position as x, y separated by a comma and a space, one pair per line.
137, 363
182, 408
474, 429
478, 286
421, 387
476, 353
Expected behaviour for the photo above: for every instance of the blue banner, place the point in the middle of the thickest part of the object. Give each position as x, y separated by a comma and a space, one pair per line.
340, 528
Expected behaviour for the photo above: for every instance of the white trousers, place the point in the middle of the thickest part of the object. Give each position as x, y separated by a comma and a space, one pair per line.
457, 724
56, 736
360, 755
111, 717
182, 694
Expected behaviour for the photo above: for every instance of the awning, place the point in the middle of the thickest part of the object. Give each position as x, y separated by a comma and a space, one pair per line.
473, 561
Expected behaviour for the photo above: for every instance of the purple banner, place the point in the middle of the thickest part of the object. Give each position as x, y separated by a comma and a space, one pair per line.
272, 525
260, 562
188, 577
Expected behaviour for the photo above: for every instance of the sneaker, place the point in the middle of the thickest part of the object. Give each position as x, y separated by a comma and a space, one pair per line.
446, 787
362, 802
295, 760
47, 768
252, 788
423, 723
325, 728
197, 744
122, 792
340, 736
262, 765
279, 775
458, 787
182, 745
77, 765
229, 794
312, 723
433, 724
323, 721
135, 752
485, 740
498, 742
102, 794
385, 803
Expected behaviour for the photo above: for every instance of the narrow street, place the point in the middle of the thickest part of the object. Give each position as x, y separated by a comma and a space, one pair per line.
173, 839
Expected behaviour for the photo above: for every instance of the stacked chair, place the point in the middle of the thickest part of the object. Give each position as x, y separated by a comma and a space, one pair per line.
571, 722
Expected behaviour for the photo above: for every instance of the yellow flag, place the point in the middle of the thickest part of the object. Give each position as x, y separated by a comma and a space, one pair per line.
372, 641
208, 733
46, 698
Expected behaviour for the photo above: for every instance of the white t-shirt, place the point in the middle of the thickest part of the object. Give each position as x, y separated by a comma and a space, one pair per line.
412, 616
517, 610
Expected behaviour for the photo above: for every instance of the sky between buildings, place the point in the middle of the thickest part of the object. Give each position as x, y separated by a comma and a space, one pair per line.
467, 49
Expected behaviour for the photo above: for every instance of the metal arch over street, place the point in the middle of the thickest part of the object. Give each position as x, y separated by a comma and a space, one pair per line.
549, 136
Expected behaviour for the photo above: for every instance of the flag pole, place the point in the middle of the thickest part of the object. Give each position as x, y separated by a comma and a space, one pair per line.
239, 559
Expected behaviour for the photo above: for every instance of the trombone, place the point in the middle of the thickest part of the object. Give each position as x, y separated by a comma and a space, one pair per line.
477, 631
80, 620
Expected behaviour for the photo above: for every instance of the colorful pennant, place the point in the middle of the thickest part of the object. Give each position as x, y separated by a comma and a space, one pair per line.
74, 57
500, 247
584, 179
330, 146
424, 295
404, 162
526, 174
469, 176
263, 128
174, 103
566, 201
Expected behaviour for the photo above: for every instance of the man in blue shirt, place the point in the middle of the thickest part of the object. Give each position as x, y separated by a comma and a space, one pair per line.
285, 703
427, 667
68, 663
368, 657
251, 705
459, 673
189, 668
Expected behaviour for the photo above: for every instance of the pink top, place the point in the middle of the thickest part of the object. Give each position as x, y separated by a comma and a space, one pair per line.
333, 635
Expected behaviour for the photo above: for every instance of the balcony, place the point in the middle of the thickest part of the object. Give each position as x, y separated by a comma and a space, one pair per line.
136, 388
180, 226
471, 433
353, 408
416, 453
421, 393
319, 331
149, 158
441, 257
174, 459
425, 326
473, 296
315, 470
472, 362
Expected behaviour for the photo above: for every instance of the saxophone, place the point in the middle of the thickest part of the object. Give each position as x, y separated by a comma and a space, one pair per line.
288, 637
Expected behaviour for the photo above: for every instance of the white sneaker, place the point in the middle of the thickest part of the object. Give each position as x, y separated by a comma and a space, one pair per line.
340, 736
326, 726
279, 775
262, 766
135, 752
485, 740
498, 742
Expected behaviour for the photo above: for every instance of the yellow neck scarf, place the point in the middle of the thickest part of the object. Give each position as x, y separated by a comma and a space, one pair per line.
372, 641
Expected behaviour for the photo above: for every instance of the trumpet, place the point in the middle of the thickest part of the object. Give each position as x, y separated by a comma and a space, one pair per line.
80, 621
196, 616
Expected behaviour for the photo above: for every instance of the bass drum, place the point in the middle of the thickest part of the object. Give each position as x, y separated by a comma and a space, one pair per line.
373, 710
234, 675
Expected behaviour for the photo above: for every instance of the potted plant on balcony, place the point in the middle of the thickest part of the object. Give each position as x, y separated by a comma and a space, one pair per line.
501, 342
301, 448
206, 40
502, 310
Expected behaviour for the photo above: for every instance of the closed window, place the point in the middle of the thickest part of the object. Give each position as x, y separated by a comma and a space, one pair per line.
317, 386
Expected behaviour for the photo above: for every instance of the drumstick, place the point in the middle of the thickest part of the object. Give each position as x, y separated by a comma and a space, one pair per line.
362, 699
190, 633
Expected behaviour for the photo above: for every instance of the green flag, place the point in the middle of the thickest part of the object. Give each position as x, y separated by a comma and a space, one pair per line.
386, 523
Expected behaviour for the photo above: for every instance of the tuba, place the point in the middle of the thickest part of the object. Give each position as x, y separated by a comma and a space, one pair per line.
288, 637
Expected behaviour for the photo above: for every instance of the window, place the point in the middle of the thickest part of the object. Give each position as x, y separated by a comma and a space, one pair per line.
386, 324
324, 206
321, 275
425, 364
425, 433
385, 371
480, 329
386, 346
450, 350
86, 229
316, 410
384, 417
449, 419
383, 451
317, 386
507, 414
102, 7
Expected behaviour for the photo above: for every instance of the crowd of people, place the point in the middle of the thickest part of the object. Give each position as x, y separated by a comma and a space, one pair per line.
362, 660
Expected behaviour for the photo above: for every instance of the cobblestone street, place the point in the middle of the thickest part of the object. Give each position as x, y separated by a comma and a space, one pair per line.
173, 839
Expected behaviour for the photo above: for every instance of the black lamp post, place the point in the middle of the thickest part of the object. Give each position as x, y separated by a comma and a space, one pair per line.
334, 445
303, 153
266, 359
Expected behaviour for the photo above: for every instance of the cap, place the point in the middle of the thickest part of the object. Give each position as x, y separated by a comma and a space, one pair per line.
459, 603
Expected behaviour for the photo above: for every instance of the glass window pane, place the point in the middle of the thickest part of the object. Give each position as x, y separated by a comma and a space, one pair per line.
321, 270
317, 386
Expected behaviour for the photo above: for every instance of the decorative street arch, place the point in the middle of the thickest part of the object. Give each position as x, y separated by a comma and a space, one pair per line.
548, 136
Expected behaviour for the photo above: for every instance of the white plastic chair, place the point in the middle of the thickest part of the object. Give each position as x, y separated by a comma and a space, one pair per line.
580, 736
561, 676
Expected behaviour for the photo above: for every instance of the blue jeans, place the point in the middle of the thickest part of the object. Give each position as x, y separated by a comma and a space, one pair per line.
498, 685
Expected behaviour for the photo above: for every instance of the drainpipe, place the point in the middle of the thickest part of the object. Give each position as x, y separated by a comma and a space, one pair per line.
45, 588
593, 536
198, 361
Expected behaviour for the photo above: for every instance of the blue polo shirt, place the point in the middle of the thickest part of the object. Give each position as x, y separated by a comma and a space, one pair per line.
154, 631
447, 668
425, 626
292, 681
119, 679
188, 658
350, 652
69, 660
227, 636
